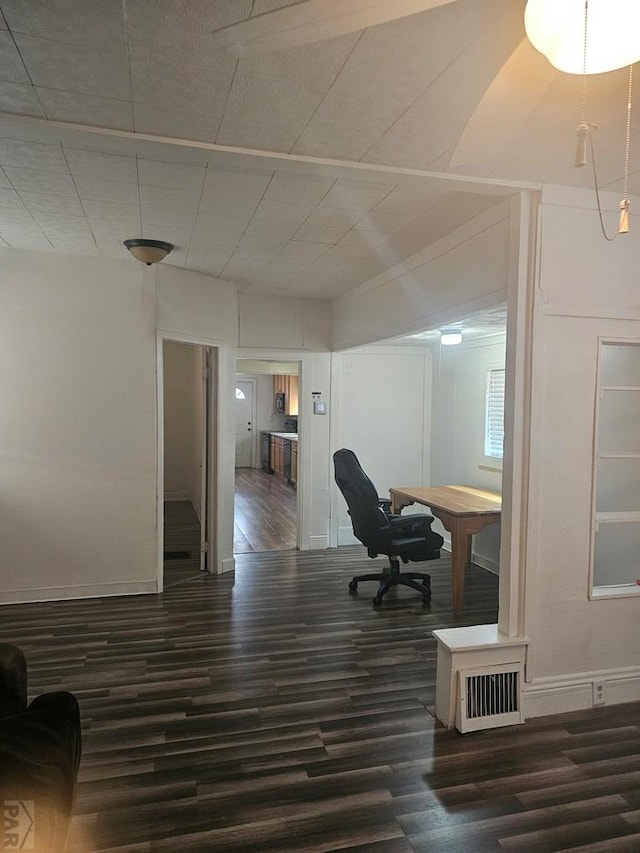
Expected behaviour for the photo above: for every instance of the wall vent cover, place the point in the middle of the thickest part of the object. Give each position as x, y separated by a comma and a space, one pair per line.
489, 697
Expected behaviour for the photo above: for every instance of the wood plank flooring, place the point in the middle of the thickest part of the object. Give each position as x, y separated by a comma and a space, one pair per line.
264, 512
272, 711
181, 542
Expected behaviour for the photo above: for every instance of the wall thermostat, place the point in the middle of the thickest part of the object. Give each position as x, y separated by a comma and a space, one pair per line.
319, 407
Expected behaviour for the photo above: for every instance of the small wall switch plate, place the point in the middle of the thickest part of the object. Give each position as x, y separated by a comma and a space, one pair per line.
598, 693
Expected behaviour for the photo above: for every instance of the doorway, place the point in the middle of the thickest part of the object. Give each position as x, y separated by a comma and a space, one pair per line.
266, 483
186, 394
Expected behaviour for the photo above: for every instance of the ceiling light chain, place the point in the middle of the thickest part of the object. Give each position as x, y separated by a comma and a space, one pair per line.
623, 227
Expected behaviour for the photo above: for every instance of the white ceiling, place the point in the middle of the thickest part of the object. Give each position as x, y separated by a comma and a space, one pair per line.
303, 172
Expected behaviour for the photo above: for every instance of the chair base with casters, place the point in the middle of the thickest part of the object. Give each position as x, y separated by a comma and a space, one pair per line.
400, 538
394, 577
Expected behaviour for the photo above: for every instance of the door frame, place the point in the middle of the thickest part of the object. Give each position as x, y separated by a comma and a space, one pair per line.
210, 521
303, 484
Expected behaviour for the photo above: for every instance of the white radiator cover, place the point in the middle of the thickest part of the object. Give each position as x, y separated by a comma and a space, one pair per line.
489, 697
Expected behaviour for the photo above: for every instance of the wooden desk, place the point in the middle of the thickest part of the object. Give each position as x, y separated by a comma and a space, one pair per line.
463, 511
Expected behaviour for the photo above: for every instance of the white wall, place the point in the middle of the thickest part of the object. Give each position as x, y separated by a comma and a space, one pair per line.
77, 427
179, 422
382, 406
587, 288
457, 434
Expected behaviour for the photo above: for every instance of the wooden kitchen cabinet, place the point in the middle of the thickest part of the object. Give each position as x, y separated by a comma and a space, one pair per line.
287, 385
277, 454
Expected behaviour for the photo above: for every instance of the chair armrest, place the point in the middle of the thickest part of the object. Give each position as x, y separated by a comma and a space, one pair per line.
385, 505
403, 522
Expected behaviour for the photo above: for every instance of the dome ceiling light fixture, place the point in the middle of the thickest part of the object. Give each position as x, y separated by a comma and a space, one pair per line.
450, 337
148, 251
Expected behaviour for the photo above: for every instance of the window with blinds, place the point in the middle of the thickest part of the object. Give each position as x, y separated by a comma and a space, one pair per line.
494, 418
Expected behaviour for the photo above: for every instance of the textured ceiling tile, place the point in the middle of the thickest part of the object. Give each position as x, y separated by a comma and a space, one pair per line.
221, 224
301, 250
40, 204
320, 234
242, 270
35, 155
383, 223
258, 248
21, 238
179, 30
334, 217
435, 120
239, 182
155, 173
112, 210
114, 231
98, 25
68, 227
4, 180
283, 211
115, 113
206, 262
271, 229
160, 214
179, 200
94, 164
356, 195
110, 247
74, 246
20, 99
407, 201
12, 69
76, 68
391, 66
297, 190
213, 241
179, 100
39, 181
95, 189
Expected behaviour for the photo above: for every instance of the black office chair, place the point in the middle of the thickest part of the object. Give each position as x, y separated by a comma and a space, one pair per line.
407, 538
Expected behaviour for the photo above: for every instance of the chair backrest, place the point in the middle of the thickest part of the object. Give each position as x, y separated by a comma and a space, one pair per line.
370, 524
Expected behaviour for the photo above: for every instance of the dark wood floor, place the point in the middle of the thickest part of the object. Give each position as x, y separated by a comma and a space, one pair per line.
181, 543
264, 512
272, 711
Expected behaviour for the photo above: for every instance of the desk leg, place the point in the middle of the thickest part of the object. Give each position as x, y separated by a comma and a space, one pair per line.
459, 548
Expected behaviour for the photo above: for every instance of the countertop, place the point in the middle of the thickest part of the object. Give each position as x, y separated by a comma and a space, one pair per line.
289, 436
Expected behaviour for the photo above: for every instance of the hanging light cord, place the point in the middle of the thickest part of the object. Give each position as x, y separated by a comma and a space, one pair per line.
624, 204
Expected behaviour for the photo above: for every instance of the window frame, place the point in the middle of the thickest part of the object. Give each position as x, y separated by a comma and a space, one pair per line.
487, 460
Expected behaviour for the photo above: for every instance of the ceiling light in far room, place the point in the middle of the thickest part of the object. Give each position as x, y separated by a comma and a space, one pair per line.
450, 337
557, 29
148, 251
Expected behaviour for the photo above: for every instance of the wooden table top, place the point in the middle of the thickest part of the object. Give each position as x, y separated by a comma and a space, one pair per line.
461, 500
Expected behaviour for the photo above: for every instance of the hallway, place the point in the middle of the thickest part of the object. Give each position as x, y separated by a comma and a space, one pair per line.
264, 513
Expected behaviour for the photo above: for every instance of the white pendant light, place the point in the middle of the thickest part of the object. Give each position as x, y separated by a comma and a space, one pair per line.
556, 28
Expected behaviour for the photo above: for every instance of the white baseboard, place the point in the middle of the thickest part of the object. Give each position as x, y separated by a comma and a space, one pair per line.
62, 593
228, 565
176, 496
318, 543
575, 693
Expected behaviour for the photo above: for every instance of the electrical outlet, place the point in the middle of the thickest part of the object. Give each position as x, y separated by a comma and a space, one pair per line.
598, 693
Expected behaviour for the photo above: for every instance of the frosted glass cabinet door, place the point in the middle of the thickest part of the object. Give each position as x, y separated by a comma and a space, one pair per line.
617, 554
618, 487
619, 424
620, 365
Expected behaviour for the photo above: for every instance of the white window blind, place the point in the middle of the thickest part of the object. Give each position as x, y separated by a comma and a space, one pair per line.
494, 420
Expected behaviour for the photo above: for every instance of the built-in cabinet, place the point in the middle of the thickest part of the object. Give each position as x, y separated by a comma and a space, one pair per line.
616, 501
283, 457
287, 385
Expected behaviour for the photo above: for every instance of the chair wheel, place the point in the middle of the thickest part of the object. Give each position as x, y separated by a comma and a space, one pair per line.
353, 586
426, 582
377, 601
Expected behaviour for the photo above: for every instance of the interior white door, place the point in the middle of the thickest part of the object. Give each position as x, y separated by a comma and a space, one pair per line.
244, 423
